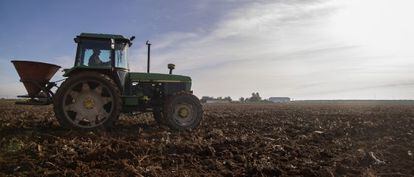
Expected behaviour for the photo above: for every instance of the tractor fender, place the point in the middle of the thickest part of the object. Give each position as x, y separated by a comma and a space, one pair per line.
71, 71
107, 71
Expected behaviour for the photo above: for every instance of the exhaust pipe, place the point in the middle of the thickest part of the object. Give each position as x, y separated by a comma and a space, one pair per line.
148, 55
171, 67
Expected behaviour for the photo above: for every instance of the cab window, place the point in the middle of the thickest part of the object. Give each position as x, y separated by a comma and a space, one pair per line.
121, 51
91, 57
94, 53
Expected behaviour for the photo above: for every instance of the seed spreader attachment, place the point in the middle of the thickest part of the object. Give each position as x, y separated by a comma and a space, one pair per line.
35, 77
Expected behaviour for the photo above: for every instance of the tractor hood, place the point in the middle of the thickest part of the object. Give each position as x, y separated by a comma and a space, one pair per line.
157, 77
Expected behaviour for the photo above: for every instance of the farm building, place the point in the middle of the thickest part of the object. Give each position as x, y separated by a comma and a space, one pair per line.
279, 99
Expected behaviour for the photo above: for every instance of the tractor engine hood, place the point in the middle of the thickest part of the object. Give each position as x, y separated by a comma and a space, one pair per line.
157, 77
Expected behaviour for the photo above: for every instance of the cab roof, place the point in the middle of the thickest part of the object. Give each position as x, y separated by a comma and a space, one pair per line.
103, 36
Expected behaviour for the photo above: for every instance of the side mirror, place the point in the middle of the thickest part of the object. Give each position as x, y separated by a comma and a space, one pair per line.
130, 40
171, 67
112, 43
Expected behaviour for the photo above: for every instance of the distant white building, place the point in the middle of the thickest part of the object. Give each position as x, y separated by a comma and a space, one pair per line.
279, 99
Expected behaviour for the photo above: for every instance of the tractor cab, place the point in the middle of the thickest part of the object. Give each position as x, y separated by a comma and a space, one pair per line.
102, 51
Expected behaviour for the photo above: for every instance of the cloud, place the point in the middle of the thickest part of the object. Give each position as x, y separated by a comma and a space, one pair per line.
279, 48
65, 61
11, 90
10, 85
250, 48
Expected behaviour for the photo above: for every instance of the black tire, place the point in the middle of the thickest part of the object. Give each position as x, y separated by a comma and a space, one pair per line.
77, 91
174, 106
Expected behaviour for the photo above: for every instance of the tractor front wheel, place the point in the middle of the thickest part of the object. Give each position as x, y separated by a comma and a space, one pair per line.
183, 111
87, 101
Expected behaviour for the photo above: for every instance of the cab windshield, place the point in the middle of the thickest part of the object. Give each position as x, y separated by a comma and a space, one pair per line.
94, 53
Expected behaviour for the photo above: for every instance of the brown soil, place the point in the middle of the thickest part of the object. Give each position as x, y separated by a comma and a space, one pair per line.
296, 139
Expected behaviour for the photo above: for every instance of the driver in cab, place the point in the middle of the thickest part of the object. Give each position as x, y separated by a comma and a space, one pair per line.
94, 60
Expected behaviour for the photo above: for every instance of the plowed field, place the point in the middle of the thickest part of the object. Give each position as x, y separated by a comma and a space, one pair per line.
295, 139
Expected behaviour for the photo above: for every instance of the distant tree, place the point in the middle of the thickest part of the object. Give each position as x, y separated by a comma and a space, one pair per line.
258, 96
228, 98
255, 97
241, 99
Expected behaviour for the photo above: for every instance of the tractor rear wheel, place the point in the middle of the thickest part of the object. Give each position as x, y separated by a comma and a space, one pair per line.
87, 101
183, 111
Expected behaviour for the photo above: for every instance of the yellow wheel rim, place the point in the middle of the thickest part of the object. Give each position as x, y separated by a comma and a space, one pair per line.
183, 112
88, 103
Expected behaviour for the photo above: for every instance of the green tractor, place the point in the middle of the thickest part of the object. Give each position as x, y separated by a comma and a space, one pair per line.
99, 87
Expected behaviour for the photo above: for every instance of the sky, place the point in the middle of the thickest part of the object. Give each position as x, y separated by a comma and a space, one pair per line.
303, 49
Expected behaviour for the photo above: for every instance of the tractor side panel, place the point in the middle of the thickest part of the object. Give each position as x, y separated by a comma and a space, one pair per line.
171, 87
155, 84
157, 89
143, 90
